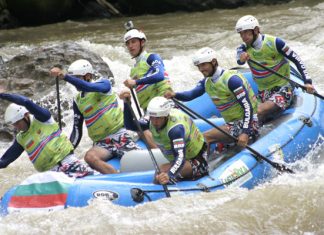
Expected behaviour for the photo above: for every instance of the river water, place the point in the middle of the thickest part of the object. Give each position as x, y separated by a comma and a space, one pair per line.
289, 204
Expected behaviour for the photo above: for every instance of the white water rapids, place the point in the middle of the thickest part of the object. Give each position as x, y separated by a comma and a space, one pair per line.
289, 204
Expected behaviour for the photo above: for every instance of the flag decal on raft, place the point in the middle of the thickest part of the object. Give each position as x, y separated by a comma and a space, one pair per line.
42, 191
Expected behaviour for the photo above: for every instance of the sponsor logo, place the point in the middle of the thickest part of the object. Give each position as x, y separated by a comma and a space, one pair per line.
294, 55
247, 112
177, 146
239, 92
238, 172
177, 164
178, 143
105, 195
156, 62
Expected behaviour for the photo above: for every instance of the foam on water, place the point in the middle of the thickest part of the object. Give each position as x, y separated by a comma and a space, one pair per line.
289, 204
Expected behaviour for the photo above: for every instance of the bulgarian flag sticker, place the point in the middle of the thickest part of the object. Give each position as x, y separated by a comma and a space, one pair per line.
42, 191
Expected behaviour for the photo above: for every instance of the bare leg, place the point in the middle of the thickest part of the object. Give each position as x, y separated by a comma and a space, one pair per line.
266, 110
96, 157
214, 135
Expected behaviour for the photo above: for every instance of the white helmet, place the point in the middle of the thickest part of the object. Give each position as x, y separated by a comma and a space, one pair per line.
246, 22
204, 55
80, 67
134, 33
159, 107
14, 113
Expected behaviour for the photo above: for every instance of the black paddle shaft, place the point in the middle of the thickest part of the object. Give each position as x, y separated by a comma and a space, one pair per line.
136, 103
58, 103
276, 165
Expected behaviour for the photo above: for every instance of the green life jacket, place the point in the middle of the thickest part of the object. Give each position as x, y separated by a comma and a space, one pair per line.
225, 100
101, 113
146, 92
194, 139
45, 144
268, 56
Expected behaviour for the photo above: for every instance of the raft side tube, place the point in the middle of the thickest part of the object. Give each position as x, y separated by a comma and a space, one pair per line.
140, 160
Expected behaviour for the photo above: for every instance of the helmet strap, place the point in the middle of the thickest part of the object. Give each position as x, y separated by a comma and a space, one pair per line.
255, 32
27, 121
214, 65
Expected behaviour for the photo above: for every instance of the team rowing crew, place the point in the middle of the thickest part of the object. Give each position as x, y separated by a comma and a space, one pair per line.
167, 128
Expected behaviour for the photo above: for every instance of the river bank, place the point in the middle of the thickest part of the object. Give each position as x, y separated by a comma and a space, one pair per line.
16, 13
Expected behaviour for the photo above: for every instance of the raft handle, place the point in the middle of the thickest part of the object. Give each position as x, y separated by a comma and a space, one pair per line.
138, 195
203, 187
306, 120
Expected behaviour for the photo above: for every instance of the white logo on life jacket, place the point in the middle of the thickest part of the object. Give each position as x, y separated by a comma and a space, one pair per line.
177, 164
294, 55
156, 62
178, 143
239, 92
247, 113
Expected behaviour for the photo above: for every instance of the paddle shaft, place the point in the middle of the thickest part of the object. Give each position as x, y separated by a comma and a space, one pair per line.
136, 103
58, 102
276, 165
157, 169
284, 77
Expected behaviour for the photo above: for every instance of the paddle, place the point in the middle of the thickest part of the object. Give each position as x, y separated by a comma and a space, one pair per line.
284, 77
276, 165
157, 169
58, 102
136, 103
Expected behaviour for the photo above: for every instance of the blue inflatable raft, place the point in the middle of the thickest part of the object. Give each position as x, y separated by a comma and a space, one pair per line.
286, 139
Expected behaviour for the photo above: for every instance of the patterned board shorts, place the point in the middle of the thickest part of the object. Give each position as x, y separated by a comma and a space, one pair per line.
235, 128
118, 143
281, 96
73, 167
199, 165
